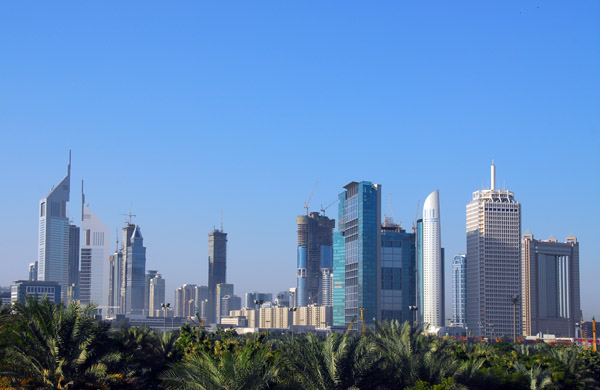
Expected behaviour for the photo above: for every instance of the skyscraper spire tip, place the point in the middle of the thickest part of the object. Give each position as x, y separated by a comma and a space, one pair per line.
493, 174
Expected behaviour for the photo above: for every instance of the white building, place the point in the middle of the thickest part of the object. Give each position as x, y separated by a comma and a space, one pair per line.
95, 252
433, 272
493, 262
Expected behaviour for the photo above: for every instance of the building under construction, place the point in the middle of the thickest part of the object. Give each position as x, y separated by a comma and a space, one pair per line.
315, 259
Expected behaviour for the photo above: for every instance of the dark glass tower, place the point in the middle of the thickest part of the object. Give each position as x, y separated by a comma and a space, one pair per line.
136, 272
217, 269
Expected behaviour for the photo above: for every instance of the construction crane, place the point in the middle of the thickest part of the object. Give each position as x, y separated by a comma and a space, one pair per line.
414, 227
389, 204
307, 203
362, 319
350, 326
312, 297
328, 206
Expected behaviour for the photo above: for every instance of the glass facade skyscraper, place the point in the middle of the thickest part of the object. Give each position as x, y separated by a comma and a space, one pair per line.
339, 278
217, 270
360, 226
53, 243
459, 290
135, 285
433, 264
398, 272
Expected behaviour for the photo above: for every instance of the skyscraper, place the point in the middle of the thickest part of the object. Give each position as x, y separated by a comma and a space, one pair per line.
156, 295
115, 303
398, 273
135, 270
459, 289
433, 263
551, 301
339, 279
74, 271
95, 252
33, 271
360, 226
315, 241
493, 261
217, 269
222, 290
150, 274
53, 243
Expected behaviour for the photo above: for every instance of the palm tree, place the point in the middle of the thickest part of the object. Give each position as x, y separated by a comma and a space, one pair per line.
338, 362
57, 347
248, 367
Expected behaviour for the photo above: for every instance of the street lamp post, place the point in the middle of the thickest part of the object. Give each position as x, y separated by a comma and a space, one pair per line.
292, 310
165, 306
413, 310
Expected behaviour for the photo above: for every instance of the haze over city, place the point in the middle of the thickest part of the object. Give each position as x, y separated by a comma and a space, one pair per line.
181, 113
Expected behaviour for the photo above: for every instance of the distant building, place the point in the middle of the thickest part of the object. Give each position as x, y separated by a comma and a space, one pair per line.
230, 302
135, 269
315, 241
222, 290
73, 264
23, 288
33, 271
95, 252
251, 316
493, 262
339, 279
274, 317
284, 298
253, 297
459, 290
115, 278
185, 301
319, 317
53, 243
201, 298
551, 296
398, 272
150, 274
217, 270
360, 226
5, 293
156, 296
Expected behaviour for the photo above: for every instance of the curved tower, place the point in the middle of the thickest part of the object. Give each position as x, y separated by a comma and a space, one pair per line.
433, 272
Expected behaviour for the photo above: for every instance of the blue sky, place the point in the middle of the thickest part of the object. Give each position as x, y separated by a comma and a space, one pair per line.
191, 108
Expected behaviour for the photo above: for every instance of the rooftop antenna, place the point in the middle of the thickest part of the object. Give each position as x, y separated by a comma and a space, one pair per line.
117, 235
307, 203
391, 209
414, 226
69, 166
493, 174
129, 215
221, 221
82, 199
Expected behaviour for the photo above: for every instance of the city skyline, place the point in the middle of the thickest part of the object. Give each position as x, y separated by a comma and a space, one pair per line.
205, 117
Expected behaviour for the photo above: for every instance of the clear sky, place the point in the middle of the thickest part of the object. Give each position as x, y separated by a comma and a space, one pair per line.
189, 108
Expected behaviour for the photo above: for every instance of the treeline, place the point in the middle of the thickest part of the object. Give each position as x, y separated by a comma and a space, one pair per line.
45, 346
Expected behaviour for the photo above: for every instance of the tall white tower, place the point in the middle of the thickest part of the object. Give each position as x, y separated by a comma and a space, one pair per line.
433, 273
493, 262
95, 252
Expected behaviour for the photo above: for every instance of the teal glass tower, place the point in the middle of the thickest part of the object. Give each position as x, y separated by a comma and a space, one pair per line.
359, 226
339, 274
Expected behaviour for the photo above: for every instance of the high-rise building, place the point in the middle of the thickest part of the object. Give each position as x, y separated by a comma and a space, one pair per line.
254, 299
398, 272
360, 225
185, 301
217, 269
156, 296
459, 290
339, 278
418, 315
222, 290
135, 270
433, 264
53, 243
95, 252
33, 271
115, 278
74, 272
201, 298
150, 274
493, 262
39, 289
315, 241
551, 301
229, 303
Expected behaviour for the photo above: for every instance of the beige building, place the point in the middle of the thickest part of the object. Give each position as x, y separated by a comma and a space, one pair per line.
250, 314
318, 316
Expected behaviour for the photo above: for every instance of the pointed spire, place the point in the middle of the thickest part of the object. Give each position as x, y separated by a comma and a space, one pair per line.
69, 166
493, 174
221, 221
82, 200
